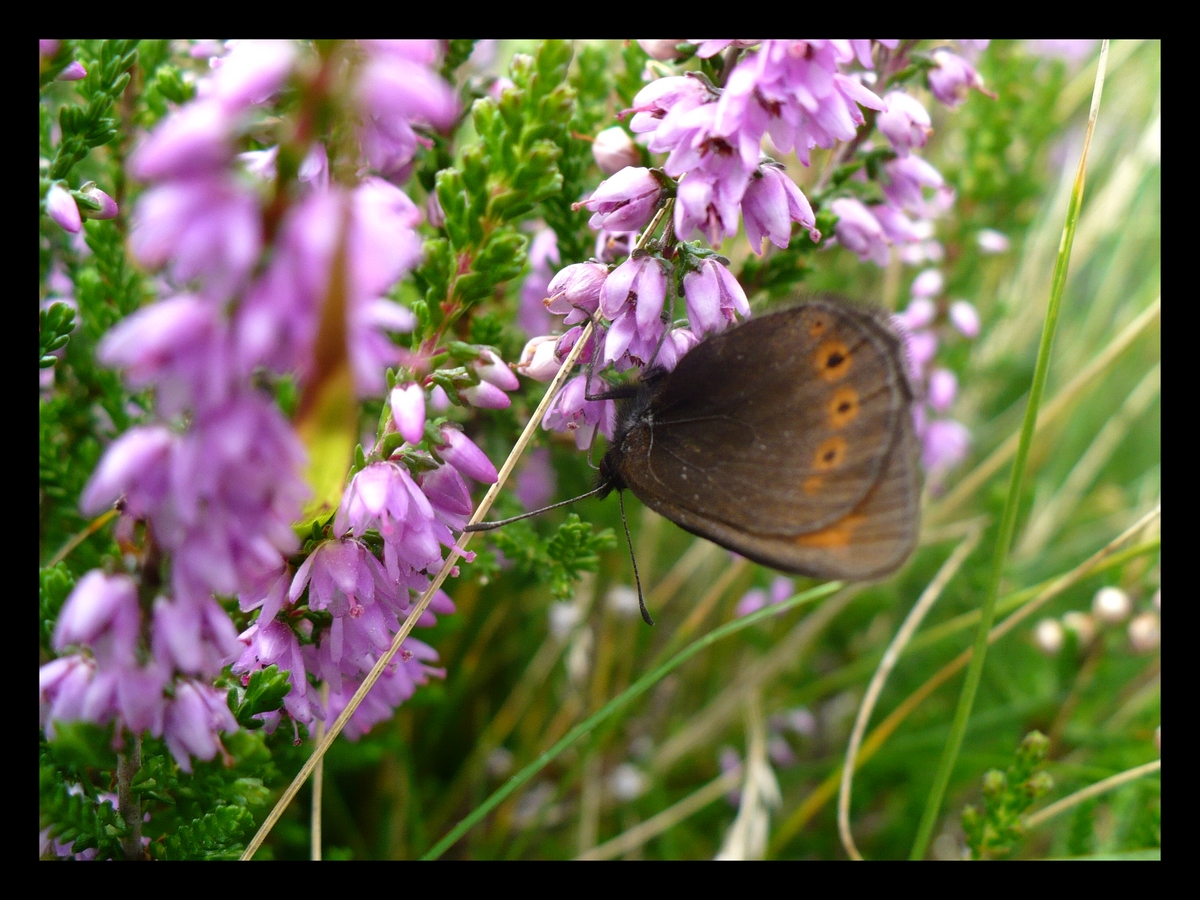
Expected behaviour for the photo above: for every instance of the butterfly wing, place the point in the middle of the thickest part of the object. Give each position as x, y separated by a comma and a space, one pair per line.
871, 540
779, 427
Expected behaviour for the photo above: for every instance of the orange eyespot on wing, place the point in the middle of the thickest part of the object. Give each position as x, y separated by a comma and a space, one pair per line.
833, 359
839, 534
843, 407
830, 454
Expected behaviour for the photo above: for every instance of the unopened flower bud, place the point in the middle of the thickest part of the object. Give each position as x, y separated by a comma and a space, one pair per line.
965, 318
943, 386
953, 78
1049, 636
663, 51
538, 360
61, 207
492, 369
624, 201
73, 72
1111, 605
460, 451
627, 782
408, 410
108, 206
1145, 632
614, 150
992, 241
928, 284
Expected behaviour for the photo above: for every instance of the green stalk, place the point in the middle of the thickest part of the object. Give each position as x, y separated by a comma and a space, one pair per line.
631, 693
1008, 519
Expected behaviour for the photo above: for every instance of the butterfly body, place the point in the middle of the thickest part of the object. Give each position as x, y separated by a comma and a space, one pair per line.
788, 439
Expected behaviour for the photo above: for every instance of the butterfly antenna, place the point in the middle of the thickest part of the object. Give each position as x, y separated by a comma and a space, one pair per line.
633, 559
488, 526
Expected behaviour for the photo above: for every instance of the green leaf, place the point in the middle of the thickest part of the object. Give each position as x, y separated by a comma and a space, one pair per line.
263, 694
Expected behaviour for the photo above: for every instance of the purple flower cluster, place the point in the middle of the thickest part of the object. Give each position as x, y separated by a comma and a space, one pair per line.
944, 441
366, 598
800, 95
216, 481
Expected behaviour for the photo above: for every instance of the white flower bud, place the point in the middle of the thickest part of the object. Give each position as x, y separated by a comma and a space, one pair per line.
1111, 605
1048, 636
627, 782
1145, 632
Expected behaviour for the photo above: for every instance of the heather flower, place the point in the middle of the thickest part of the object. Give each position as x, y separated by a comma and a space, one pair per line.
575, 291
63, 688
928, 283
399, 681
61, 207
921, 346
964, 317
676, 344
532, 317
633, 298
566, 343
571, 411
193, 636
485, 396
235, 490
495, 378
944, 445
713, 295
991, 241
667, 97
136, 467
536, 479
408, 411
710, 202
614, 245
342, 577
953, 78
108, 206
905, 122
179, 346
194, 718
859, 231
752, 601
448, 496
272, 643
943, 386
251, 73
194, 141
102, 614
625, 201
664, 51
538, 359
207, 227
906, 177
770, 205
897, 227
383, 496
613, 149
460, 451
795, 90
